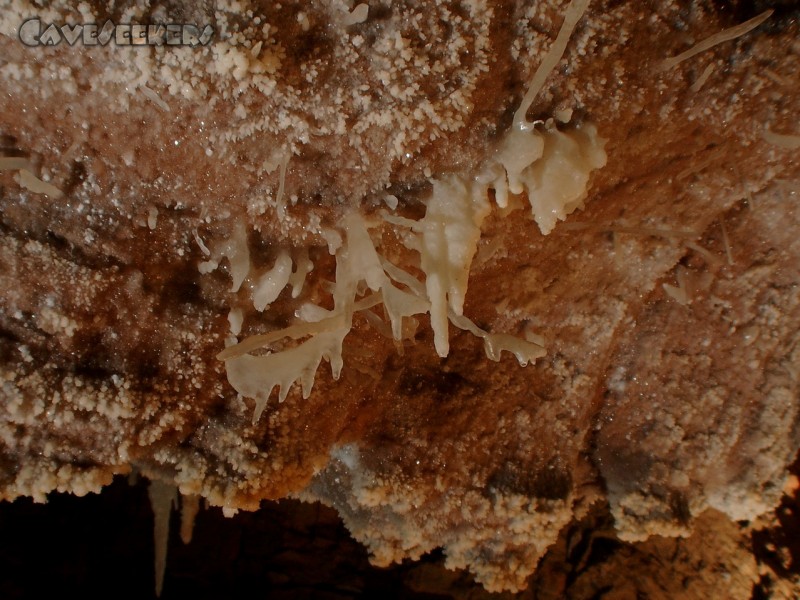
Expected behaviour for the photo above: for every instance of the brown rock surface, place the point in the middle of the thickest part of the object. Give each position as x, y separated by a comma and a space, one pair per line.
663, 401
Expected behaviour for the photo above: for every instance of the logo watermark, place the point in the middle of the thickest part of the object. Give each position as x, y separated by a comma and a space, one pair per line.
34, 32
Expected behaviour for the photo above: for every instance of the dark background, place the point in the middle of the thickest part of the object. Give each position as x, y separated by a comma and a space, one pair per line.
101, 546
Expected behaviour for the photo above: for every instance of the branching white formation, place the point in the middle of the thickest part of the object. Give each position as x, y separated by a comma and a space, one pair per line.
553, 167
449, 239
357, 262
550, 166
